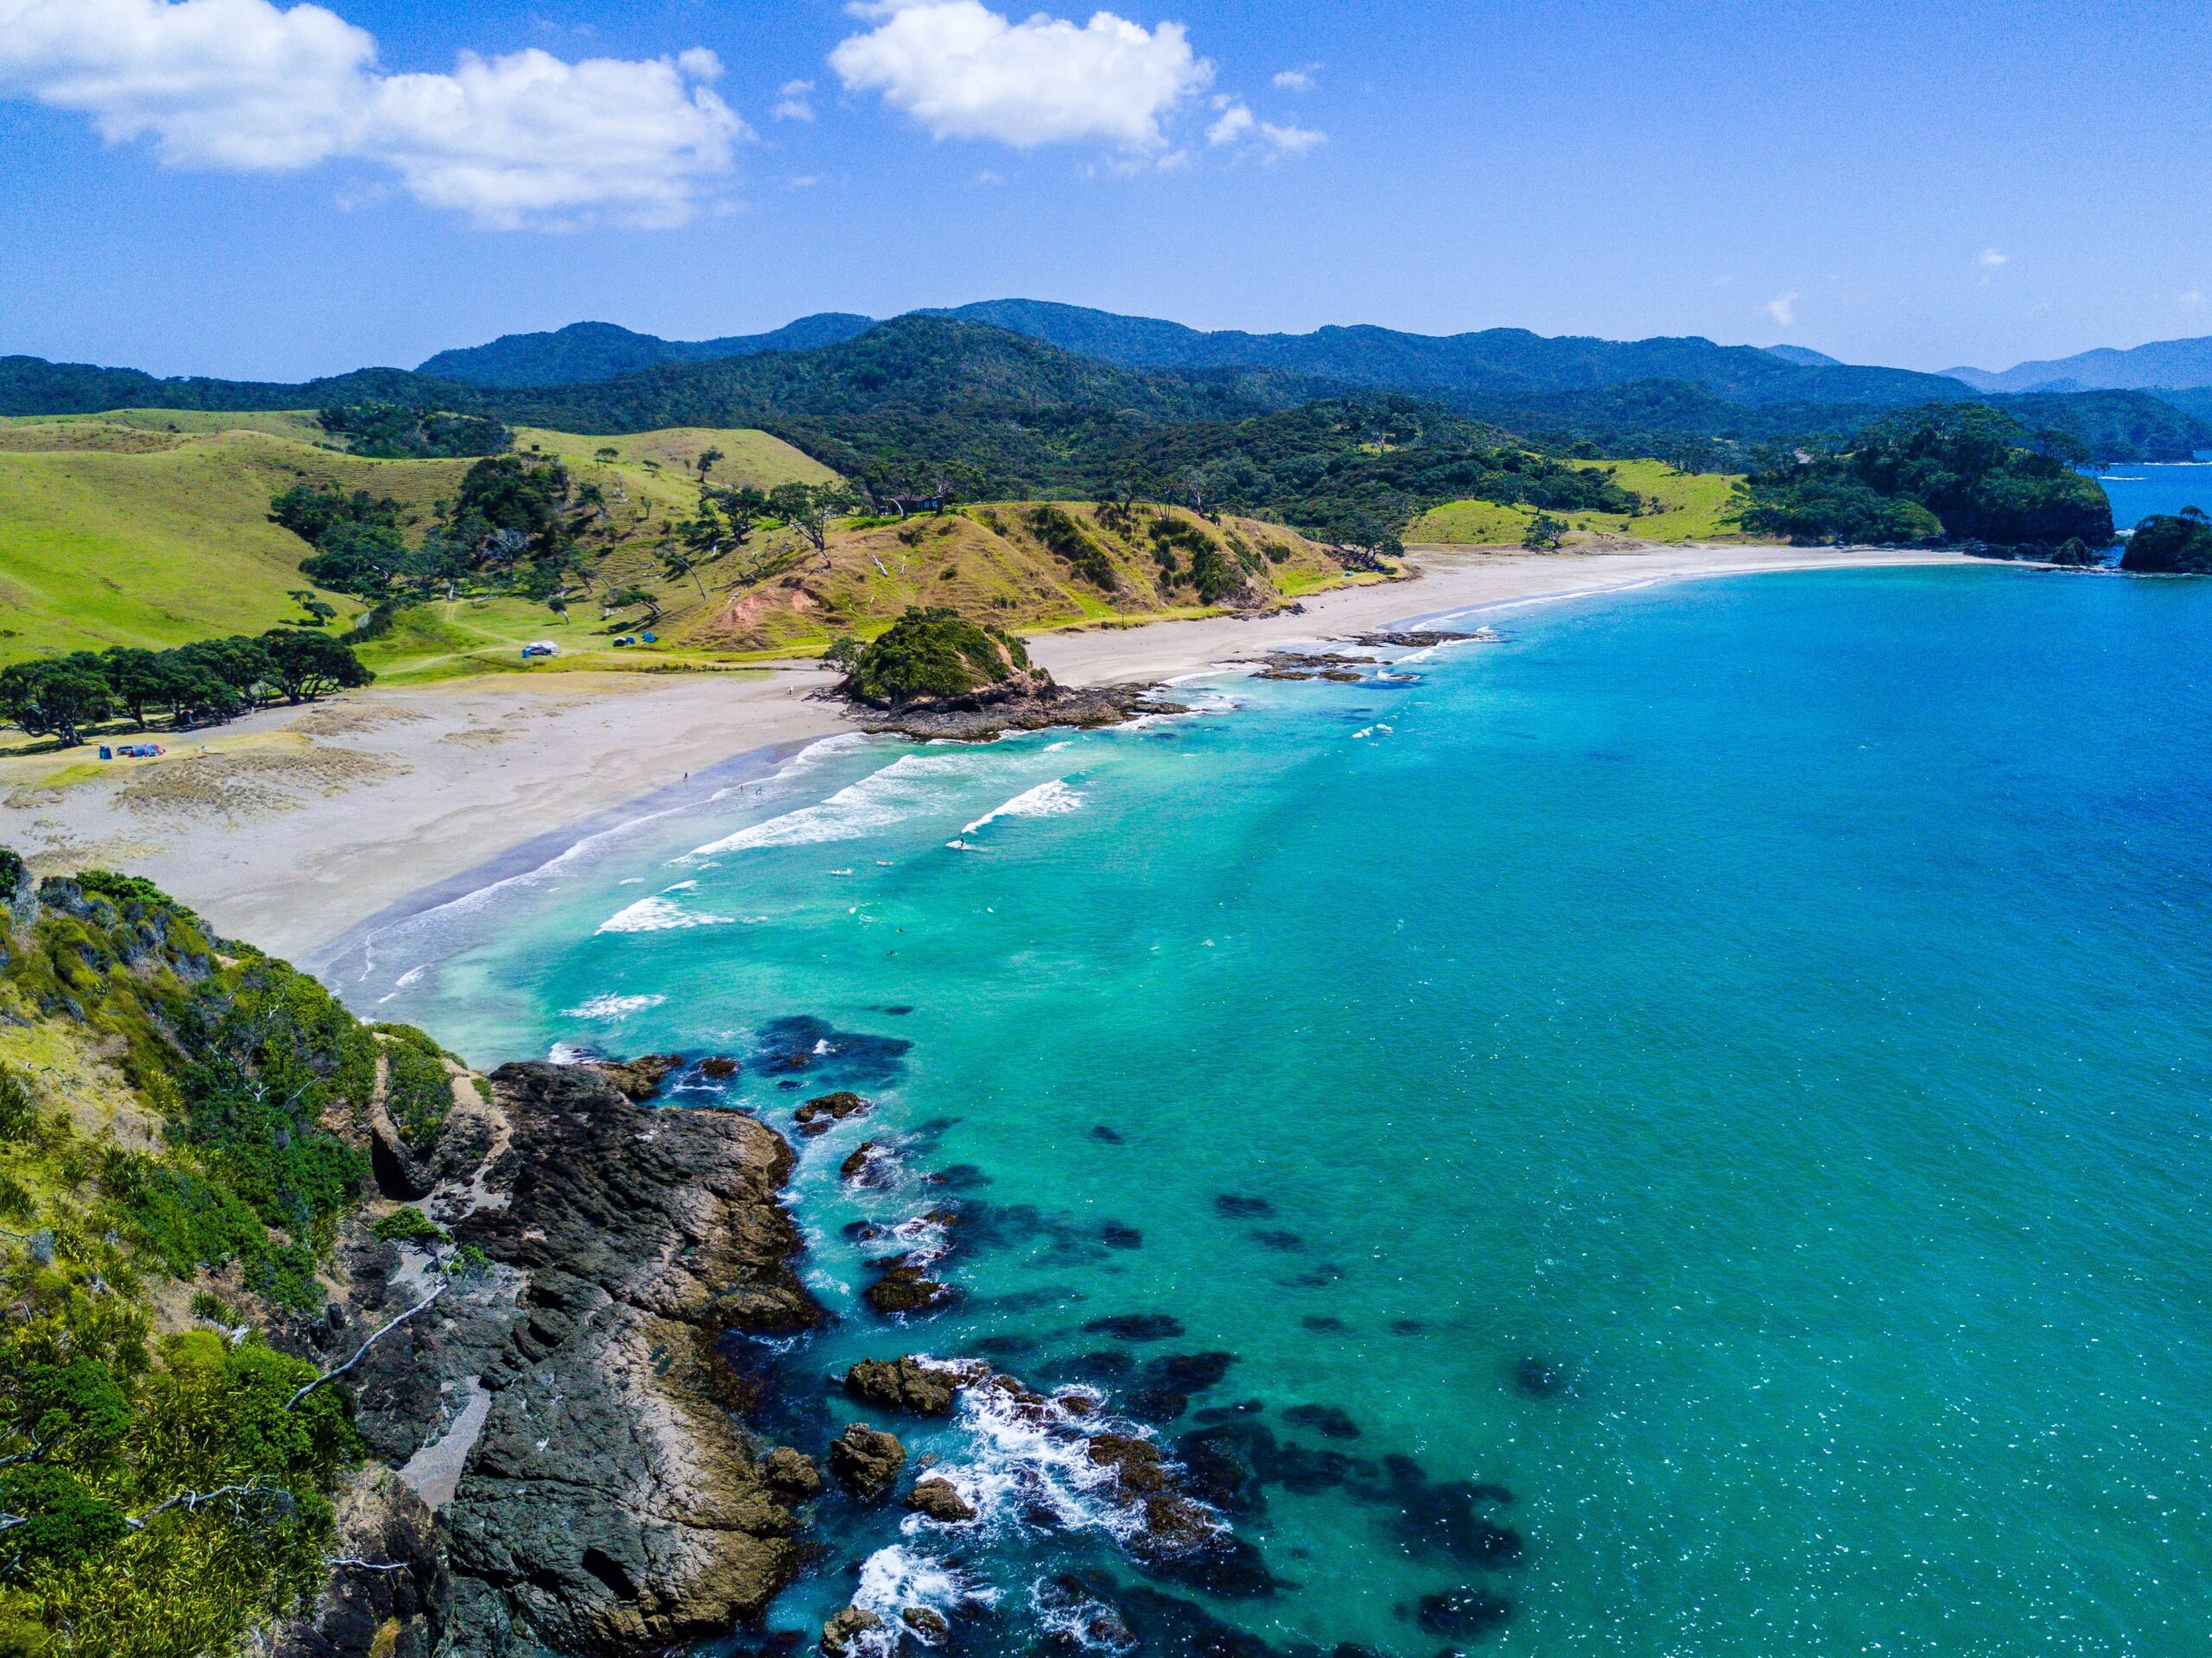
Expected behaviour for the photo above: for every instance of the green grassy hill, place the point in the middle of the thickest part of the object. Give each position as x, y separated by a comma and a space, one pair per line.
150, 528
1691, 506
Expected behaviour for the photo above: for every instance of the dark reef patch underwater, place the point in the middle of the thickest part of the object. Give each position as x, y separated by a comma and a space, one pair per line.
1432, 1188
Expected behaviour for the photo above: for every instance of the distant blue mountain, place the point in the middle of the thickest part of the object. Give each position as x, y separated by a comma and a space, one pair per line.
1804, 356
584, 353
2164, 364
1497, 362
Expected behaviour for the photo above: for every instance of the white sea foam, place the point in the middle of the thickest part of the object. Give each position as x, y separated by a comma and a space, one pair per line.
613, 1006
570, 1053
658, 915
877, 802
1053, 799
899, 1579
1027, 1461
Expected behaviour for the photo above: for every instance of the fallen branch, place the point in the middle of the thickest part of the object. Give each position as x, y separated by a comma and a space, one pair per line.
190, 1501
362, 1350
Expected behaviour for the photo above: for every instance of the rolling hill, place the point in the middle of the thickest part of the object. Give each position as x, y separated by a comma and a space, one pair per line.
118, 530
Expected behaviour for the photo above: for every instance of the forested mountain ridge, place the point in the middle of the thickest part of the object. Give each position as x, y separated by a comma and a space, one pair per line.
585, 352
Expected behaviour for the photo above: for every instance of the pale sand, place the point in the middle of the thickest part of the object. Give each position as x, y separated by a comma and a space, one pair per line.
295, 826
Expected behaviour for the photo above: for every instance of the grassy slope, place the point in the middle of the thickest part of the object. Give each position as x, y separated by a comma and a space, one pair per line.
152, 529
120, 531
984, 562
1693, 506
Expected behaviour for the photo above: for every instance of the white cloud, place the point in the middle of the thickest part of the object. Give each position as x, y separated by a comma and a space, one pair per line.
1782, 307
794, 103
964, 72
1991, 258
238, 85
2192, 301
1292, 141
1295, 80
1234, 122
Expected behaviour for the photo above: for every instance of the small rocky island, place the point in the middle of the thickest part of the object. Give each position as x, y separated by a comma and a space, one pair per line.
934, 673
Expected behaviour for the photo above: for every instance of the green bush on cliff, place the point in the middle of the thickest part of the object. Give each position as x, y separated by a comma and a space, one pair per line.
1064, 536
934, 652
160, 1498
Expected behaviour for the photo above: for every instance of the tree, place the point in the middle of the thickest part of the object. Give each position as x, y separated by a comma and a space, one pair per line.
678, 565
139, 679
809, 508
1544, 531
605, 452
55, 698
624, 598
708, 457
319, 609
307, 666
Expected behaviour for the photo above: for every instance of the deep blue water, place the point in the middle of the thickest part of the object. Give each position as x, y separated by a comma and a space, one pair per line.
2137, 492
1718, 1084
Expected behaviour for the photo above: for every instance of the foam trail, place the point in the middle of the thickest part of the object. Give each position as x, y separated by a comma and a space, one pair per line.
1053, 799
879, 800
658, 915
612, 1006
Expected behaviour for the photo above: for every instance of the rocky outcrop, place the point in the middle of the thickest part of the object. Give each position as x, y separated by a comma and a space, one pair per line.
841, 1635
925, 1387
823, 1113
388, 1592
639, 1079
564, 1410
941, 1501
985, 720
904, 1286
867, 1461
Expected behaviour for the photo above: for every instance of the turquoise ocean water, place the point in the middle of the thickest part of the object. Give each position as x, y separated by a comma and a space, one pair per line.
1715, 1086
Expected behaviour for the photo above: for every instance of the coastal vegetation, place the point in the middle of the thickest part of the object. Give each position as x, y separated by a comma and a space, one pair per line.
2179, 544
173, 1173
1955, 473
1673, 506
937, 653
209, 680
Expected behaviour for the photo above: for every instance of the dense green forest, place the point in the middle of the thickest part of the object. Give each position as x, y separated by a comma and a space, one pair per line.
2179, 544
933, 407
1951, 472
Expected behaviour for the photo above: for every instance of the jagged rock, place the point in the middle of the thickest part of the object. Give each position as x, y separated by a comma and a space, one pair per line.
904, 1288
719, 1067
927, 1623
609, 1501
939, 1500
636, 1079
840, 1635
867, 1164
867, 1461
365, 1610
924, 1387
1055, 705
792, 1472
818, 1115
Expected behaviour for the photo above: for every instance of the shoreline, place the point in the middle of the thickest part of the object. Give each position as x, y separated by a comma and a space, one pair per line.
312, 829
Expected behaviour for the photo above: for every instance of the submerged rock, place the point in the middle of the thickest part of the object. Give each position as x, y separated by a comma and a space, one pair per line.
867, 1461
1462, 1613
904, 1288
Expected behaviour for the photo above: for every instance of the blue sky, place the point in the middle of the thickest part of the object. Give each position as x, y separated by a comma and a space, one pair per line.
230, 187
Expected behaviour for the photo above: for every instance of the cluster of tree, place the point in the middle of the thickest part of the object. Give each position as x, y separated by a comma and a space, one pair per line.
515, 519
1062, 536
390, 431
193, 685
160, 1496
1947, 472
934, 652
1354, 472
2179, 544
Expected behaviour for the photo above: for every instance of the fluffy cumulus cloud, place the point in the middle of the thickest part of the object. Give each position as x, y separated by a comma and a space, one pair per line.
240, 85
964, 71
1782, 307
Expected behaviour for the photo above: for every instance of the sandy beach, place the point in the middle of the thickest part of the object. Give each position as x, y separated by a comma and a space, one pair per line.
294, 825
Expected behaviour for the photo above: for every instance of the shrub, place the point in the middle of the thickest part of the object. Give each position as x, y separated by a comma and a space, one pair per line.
409, 1226
934, 652
1063, 536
